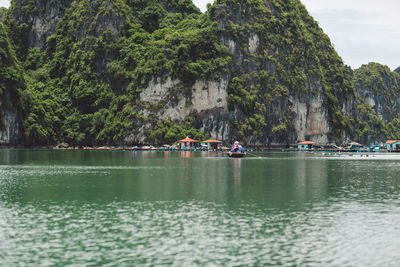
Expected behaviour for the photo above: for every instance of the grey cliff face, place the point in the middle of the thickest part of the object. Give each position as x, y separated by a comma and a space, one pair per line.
208, 103
308, 107
382, 96
42, 19
10, 133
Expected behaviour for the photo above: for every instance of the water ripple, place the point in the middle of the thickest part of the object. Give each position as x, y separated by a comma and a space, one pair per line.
275, 211
197, 234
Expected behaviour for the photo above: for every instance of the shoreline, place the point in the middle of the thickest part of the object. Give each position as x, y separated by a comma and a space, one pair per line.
165, 149
64, 146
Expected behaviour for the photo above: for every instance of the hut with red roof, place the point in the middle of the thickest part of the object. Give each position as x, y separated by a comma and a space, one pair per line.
187, 143
306, 145
211, 144
393, 145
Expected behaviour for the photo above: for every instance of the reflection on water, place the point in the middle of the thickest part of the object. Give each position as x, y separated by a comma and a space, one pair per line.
187, 208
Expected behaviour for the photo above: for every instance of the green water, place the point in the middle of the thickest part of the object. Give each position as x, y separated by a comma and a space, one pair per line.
90, 208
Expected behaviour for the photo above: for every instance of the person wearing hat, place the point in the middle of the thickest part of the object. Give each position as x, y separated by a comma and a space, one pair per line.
235, 147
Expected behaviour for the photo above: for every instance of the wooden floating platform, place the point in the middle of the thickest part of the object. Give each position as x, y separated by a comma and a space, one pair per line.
151, 149
335, 150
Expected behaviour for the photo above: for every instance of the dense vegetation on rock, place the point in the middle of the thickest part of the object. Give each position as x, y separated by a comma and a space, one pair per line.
3, 11
11, 81
293, 55
379, 79
83, 87
379, 104
79, 81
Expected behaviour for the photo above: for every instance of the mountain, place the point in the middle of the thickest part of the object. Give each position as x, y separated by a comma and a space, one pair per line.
379, 88
155, 71
288, 83
11, 85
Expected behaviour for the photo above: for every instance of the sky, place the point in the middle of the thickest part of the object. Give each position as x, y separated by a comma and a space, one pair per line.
362, 31
4, 3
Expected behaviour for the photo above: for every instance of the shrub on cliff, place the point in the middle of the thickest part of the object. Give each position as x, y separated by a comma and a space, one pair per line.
11, 80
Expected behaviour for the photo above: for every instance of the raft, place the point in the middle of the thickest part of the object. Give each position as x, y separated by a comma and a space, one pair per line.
236, 154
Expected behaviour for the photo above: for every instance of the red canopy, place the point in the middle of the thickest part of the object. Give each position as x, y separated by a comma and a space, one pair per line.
392, 141
212, 141
187, 140
307, 143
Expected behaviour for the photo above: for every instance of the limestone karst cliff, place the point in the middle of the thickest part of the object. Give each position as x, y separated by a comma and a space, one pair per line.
380, 88
11, 84
378, 108
288, 83
34, 21
284, 82
136, 71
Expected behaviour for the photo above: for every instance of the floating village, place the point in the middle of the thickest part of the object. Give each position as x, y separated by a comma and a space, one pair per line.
189, 144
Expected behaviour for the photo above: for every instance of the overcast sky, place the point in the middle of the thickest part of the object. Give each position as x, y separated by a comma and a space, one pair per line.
4, 3
361, 30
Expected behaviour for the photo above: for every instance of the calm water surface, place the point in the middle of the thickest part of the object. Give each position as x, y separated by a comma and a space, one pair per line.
198, 209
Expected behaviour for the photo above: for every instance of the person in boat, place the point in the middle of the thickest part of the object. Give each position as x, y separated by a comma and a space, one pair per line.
241, 149
237, 148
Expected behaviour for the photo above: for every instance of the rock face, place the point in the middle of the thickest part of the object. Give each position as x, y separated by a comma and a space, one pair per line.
277, 60
311, 120
11, 133
11, 83
41, 18
269, 75
380, 88
283, 98
208, 100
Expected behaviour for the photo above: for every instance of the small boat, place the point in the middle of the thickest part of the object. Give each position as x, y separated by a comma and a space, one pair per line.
237, 154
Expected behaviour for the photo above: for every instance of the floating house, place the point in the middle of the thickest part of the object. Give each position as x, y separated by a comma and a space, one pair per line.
354, 147
375, 148
307, 145
211, 144
393, 145
187, 143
